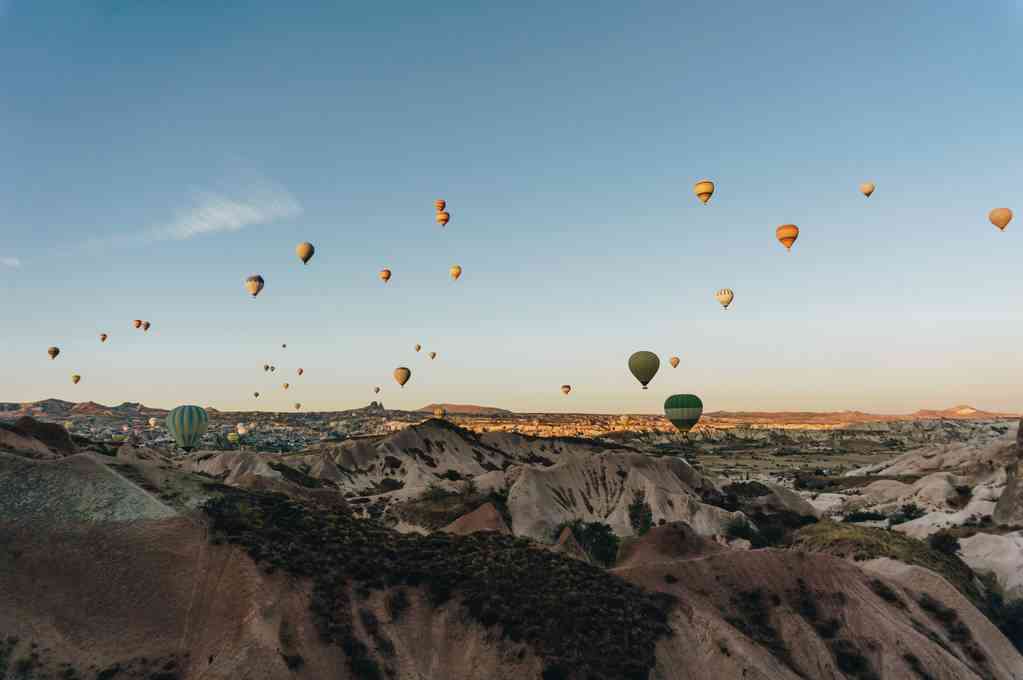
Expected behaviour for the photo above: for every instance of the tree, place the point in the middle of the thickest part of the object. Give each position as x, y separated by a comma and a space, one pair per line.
944, 542
641, 517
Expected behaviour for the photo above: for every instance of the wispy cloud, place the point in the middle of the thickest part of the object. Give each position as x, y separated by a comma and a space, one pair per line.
212, 213
12, 262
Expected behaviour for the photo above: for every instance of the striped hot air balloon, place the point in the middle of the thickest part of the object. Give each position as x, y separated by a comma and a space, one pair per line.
787, 235
684, 411
187, 424
725, 297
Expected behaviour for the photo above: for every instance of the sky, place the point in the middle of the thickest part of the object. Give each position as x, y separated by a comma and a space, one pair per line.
153, 155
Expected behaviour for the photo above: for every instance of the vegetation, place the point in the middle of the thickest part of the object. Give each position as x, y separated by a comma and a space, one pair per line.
944, 542
907, 512
1007, 616
437, 506
573, 614
295, 476
768, 530
867, 543
864, 516
641, 517
598, 540
806, 481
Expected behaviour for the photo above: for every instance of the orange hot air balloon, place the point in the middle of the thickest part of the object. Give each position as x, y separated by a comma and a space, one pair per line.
305, 251
443, 218
254, 284
440, 204
1000, 217
385, 275
53, 352
565, 389
137, 323
145, 325
704, 189
867, 188
787, 235
674, 362
103, 337
455, 272
402, 375
301, 371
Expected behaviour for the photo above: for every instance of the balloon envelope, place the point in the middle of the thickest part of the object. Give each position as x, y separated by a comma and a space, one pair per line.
455, 271
385, 275
674, 362
439, 412
103, 337
53, 352
443, 218
153, 422
419, 347
440, 204
725, 297
76, 378
137, 323
301, 371
787, 235
376, 390
704, 189
433, 355
683, 410
867, 188
187, 424
565, 389
305, 251
644, 367
402, 375
145, 325
254, 284
1000, 217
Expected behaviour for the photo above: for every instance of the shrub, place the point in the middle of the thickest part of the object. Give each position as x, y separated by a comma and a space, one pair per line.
907, 513
944, 542
641, 517
596, 538
864, 516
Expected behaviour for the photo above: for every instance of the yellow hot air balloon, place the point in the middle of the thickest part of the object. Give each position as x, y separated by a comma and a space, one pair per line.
867, 188
53, 352
305, 251
153, 422
455, 271
787, 235
1000, 217
385, 275
440, 204
286, 385
443, 218
103, 337
137, 323
433, 355
439, 412
254, 284
674, 362
402, 375
301, 371
725, 297
565, 389
146, 325
418, 347
75, 378
704, 189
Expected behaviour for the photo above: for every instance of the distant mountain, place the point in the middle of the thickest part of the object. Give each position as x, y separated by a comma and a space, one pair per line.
468, 409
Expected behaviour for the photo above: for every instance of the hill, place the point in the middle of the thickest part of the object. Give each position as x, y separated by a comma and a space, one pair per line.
467, 410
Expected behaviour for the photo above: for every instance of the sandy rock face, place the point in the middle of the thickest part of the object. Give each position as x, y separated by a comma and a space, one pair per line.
1009, 508
999, 555
484, 518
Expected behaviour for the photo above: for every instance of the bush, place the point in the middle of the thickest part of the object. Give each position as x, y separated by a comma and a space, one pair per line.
907, 513
641, 517
596, 538
944, 542
864, 516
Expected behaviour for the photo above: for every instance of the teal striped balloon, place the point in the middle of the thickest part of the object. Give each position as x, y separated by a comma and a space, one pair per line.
188, 425
683, 410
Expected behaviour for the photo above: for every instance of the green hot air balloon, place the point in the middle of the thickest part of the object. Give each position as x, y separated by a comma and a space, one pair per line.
684, 411
644, 366
188, 425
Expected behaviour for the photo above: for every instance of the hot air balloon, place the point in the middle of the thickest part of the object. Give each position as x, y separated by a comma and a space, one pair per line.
440, 204
305, 251
385, 275
145, 325
376, 390
439, 412
103, 337
419, 347
565, 389
644, 367
725, 297
153, 422
187, 424
254, 284
233, 437
298, 406
301, 371
76, 378
256, 395
286, 385
68, 425
53, 352
266, 367
704, 189
137, 323
674, 362
432, 355
683, 410
787, 235
284, 346
273, 368
1000, 217
443, 218
455, 271
401, 375
867, 188
241, 429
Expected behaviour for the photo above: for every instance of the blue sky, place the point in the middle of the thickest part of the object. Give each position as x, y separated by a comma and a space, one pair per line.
152, 155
